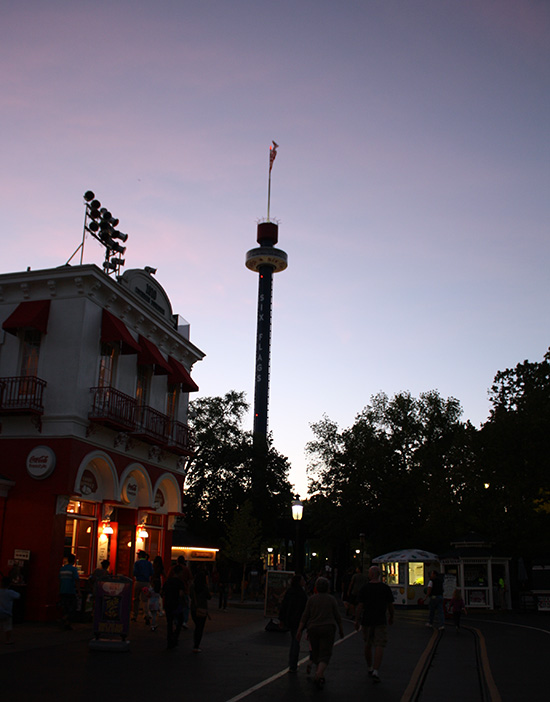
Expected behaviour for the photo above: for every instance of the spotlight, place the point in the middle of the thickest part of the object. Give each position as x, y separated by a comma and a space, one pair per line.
89, 195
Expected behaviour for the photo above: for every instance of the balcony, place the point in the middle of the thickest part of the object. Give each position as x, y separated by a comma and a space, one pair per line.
22, 395
181, 439
113, 409
151, 426
116, 410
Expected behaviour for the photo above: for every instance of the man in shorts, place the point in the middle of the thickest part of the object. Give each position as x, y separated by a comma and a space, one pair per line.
373, 601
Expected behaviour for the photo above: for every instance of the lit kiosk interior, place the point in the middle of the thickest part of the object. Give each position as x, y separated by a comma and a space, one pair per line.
407, 572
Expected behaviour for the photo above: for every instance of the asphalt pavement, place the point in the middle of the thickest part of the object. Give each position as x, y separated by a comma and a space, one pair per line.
241, 660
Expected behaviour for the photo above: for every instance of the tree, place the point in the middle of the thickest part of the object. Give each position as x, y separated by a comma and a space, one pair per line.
219, 475
515, 456
242, 544
398, 472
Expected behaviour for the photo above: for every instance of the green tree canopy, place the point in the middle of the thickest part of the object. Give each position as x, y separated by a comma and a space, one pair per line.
219, 475
515, 459
400, 472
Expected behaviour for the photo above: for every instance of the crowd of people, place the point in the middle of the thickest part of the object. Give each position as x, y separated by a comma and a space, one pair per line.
308, 609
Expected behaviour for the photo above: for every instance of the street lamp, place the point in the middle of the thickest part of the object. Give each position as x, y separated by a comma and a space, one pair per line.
297, 512
297, 509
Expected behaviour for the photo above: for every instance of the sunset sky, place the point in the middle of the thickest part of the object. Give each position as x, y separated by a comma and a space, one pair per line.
411, 184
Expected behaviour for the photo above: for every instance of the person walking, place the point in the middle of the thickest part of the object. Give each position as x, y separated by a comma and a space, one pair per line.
173, 592
7, 597
321, 618
435, 593
69, 588
373, 601
292, 608
143, 572
458, 607
358, 579
199, 596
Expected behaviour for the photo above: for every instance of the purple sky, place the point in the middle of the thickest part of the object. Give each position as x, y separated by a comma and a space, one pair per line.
411, 183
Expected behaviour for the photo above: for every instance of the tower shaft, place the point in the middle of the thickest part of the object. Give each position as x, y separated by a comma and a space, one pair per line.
263, 351
265, 260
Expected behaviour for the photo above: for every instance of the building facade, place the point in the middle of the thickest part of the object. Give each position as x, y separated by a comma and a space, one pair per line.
94, 442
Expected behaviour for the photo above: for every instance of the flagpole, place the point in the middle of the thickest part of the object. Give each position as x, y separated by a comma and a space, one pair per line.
268, 193
272, 155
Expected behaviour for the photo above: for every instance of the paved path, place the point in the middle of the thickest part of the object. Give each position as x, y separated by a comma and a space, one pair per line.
241, 660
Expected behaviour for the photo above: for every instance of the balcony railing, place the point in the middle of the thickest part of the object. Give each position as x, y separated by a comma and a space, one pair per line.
113, 408
22, 395
180, 439
119, 411
152, 425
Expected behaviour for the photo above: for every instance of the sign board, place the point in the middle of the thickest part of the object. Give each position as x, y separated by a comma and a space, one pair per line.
112, 607
277, 583
21, 554
40, 462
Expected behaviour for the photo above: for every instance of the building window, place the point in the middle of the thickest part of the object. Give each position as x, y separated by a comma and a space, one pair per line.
80, 532
172, 397
142, 384
30, 350
107, 360
416, 573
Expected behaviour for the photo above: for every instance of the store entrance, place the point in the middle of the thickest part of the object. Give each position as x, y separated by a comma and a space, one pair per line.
125, 550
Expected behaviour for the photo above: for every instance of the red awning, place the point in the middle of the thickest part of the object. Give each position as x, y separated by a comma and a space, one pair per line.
113, 330
180, 375
33, 315
151, 356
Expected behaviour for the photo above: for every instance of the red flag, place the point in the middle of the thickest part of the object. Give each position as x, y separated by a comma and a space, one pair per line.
272, 154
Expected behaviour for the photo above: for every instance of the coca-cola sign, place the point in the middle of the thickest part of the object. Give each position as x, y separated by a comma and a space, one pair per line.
129, 490
40, 462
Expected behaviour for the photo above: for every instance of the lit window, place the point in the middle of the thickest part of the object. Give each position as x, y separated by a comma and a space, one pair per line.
416, 574
172, 401
142, 384
392, 573
30, 349
106, 365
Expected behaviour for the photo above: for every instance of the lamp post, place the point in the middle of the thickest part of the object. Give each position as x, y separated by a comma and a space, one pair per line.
297, 512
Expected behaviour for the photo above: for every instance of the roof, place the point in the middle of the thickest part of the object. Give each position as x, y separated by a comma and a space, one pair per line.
406, 555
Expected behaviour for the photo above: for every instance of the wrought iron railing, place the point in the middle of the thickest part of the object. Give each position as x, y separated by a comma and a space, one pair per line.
151, 424
113, 407
22, 394
181, 438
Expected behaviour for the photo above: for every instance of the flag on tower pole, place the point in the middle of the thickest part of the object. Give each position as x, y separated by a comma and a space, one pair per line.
272, 154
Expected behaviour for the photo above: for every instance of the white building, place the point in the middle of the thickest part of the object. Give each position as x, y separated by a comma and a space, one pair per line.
94, 389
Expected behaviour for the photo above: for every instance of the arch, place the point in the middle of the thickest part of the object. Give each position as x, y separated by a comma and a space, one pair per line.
141, 494
172, 492
103, 469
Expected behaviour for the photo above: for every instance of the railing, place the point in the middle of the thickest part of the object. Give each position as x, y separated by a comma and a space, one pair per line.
151, 424
114, 408
117, 410
180, 439
22, 394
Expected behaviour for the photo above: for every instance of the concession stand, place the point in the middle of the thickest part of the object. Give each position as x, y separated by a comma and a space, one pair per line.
482, 576
407, 572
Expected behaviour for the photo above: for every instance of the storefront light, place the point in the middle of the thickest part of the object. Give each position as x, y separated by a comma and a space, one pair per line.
107, 528
142, 532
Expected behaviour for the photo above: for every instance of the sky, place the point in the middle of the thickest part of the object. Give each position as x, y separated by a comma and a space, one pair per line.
411, 183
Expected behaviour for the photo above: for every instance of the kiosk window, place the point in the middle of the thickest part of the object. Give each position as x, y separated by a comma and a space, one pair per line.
416, 573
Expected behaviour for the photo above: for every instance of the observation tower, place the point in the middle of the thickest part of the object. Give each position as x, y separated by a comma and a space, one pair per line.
264, 260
